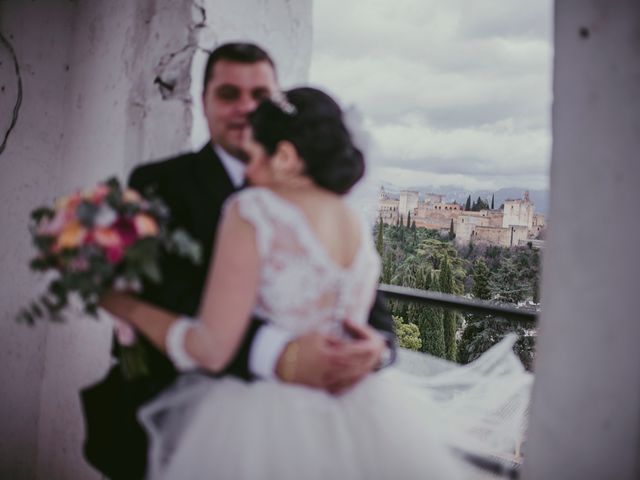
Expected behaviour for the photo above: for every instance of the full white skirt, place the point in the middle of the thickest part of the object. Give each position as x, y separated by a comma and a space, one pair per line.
391, 425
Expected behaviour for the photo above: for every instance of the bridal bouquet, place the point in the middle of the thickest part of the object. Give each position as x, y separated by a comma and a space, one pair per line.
108, 237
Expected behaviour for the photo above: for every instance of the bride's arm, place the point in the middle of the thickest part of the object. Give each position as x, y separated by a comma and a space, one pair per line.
225, 310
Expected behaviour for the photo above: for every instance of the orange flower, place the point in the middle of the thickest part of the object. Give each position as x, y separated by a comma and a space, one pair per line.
72, 235
145, 225
107, 237
131, 196
69, 203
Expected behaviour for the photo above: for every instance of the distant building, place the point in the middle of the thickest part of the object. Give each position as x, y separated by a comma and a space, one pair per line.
388, 207
408, 202
515, 224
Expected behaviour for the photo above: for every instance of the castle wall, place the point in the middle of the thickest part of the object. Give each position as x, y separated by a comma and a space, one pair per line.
518, 212
408, 202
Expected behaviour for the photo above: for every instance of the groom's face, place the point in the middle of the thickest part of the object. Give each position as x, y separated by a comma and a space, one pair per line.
234, 91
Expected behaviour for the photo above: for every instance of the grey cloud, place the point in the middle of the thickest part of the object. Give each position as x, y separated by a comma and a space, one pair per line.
454, 89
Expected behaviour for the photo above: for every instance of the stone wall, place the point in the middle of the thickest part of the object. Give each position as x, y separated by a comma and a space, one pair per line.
106, 86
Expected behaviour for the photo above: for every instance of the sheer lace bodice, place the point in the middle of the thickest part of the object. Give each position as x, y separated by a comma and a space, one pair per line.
301, 286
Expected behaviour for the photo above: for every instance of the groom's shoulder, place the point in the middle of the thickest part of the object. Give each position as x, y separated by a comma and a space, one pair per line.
158, 171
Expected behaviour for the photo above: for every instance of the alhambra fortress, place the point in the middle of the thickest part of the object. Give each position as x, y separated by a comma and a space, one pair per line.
515, 224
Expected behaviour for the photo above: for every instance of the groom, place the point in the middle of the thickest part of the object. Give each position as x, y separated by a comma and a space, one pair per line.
194, 186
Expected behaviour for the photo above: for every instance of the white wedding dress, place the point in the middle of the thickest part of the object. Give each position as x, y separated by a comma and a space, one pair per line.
391, 425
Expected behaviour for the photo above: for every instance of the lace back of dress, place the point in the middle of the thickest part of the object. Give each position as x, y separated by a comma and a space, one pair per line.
301, 288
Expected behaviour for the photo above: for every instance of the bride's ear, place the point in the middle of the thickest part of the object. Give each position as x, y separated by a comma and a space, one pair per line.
286, 159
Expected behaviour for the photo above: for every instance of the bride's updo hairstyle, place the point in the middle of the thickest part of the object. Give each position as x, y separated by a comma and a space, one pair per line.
313, 122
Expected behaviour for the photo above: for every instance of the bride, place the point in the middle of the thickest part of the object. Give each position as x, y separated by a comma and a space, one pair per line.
291, 250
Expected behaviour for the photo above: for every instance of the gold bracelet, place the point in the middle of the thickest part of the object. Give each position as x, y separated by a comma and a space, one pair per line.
290, 358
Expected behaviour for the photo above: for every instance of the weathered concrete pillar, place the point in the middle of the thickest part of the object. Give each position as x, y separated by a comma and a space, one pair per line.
106, 86
585, 420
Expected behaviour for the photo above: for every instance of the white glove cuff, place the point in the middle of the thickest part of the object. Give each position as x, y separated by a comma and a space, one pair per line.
176, 350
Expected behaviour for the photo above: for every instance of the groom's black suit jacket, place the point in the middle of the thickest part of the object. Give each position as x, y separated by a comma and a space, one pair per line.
194, 186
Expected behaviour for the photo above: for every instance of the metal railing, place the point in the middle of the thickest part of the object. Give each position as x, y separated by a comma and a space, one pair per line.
457, 302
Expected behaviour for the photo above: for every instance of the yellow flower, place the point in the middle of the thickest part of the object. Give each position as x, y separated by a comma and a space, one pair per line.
72, 235
145, 225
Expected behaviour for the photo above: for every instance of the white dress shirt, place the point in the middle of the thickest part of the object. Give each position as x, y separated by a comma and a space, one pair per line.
269, 341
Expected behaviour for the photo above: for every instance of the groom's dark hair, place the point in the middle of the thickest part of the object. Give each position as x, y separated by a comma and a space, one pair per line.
240, 52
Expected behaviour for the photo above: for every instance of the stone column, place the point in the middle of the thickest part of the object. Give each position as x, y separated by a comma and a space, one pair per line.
585, 421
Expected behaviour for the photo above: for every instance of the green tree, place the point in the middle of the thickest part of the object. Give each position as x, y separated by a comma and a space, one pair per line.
472, 337
450, 317
413, 226
492, 201
380, 239
506, 284
429, 322
388, 267
481, 275
467, 206
407, 333
452, 235
479, 204
408, 219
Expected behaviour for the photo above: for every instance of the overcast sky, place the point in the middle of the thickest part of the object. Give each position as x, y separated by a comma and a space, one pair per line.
454, 92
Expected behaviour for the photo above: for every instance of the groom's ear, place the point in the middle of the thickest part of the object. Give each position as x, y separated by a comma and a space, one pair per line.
286, 158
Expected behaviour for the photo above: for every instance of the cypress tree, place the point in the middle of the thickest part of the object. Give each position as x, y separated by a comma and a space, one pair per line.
467, 205
413, 226
451, 234
492, 201
481, 276
380, 239
450, 317
429, 321
408, 219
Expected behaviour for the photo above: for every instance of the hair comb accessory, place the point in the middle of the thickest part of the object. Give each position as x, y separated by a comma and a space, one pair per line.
279, 99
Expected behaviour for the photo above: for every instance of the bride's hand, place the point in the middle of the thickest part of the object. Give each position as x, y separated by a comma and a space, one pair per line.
111, 301
114, 302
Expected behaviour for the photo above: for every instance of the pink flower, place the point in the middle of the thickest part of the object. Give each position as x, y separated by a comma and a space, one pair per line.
54, 225
106, 237
98, 194
126, 230
131, 196
145, 225
124, 333
114, 255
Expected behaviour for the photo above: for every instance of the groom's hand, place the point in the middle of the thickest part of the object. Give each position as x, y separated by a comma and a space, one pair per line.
311, 360
358, 358
327, 362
